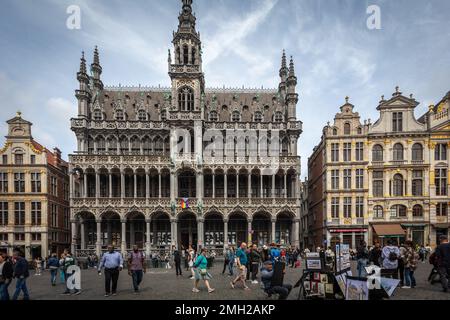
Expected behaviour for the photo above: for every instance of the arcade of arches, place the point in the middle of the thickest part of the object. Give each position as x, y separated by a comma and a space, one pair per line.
160, 232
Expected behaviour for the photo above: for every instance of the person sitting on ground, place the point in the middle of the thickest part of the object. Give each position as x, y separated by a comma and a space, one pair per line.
266, 278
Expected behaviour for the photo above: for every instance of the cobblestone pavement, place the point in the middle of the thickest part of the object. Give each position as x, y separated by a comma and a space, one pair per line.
161, 284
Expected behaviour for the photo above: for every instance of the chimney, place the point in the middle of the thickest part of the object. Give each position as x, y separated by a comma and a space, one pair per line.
57, 157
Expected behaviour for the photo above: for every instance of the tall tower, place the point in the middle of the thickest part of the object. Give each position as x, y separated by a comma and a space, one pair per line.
188, 82
83, 93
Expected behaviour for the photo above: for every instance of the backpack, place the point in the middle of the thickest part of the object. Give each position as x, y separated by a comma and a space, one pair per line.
392, 256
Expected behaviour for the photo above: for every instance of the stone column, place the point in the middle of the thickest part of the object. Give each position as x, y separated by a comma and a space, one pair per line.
285, 186
225, 185
85, 186
172, 187
297, 233
148, 244
132, 235
249, 230
262, 185
237, 186
97, 184
72, 186
109, 232
214, 185
225, 234
110, 186
124, 237
99, 238
354, 244
135, 185
273, 186
147, 185
83, 234
159, 185
199, 185
174, 236
249, 185
274, 223
200, 232
74, 236
122, 184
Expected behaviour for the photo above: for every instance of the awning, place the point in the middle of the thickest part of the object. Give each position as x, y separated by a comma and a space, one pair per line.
389, 230
441, 225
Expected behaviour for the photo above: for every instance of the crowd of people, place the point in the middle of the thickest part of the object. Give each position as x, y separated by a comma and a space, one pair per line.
245, 265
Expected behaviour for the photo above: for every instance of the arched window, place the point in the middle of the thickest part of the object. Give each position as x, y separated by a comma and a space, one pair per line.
163, 115
101, 145
417, 152
378, 212
398, 152
398, 186
97, 115
186, 99
135, 145
285, 147
213, 116
112, 145
335, 132
124, 145
236, 117
147, 146
359, 130
398, 211
194, 53
278, 117
142, 115
258, 116
185, 55
159, 147
90, 145
377, 153
417, 211
347, 129
120, 116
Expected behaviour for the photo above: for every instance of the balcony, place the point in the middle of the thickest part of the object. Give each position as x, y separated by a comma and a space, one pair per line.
115, 125
92, 159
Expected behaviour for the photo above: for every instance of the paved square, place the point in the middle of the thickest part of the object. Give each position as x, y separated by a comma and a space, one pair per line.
161, 284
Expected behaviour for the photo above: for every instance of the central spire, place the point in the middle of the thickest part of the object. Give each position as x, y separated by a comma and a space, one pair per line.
186, 18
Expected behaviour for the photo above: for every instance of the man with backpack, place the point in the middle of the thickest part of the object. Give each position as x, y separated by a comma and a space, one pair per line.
390, 256
21, 273
136, 267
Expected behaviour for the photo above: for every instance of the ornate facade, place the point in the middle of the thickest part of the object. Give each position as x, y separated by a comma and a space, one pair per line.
34, 195
229, 155
378, 180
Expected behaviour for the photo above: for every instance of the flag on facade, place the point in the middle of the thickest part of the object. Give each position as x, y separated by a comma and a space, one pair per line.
185, 203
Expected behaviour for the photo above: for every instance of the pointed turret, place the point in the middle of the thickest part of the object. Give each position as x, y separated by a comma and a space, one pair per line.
96, 70
292, 96
83, 94
283, 75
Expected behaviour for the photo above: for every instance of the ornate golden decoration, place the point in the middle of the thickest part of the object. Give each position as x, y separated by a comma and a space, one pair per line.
7, 145
30, 145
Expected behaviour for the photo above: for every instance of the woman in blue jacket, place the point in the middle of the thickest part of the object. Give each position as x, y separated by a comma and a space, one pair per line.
201, 272
53, 265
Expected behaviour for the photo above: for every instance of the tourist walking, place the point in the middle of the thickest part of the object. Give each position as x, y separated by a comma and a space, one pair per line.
21, 273
53, 265
69, 261
177, 261
136, 267
201, 272
231, 261
411, 260
443, 261
362, 254
112, 263
62, 276
6, 276
390, 255
226, 260
241, 262
401, 264
191, 257
255, 260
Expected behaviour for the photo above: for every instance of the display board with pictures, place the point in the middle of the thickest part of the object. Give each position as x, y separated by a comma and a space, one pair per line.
343, 259
314, 261
319, 285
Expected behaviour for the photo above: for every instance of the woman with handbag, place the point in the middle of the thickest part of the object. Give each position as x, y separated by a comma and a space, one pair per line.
201, 272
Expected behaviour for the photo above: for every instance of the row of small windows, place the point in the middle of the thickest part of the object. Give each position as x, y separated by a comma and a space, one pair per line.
347, 130
120, 115
124, 145
236, 116
398, 211
398, 153
18, 159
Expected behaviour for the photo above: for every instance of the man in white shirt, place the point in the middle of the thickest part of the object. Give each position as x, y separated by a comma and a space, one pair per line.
390, 256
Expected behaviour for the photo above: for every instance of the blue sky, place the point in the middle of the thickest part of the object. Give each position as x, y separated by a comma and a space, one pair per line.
336, 55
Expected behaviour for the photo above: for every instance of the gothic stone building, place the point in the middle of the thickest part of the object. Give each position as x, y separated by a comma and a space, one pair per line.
34, 195
383, 180
162, 167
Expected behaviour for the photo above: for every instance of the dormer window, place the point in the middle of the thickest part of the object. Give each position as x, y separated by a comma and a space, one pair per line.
347, 129
335, 132
163, 115
397, 121
213, 116
98, 115
236, 117
258, 116
186, 99
142, 115
278, 117
120, 116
